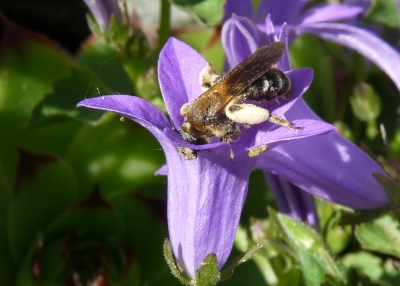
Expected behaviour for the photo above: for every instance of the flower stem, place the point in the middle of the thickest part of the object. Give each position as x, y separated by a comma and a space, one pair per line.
165, 23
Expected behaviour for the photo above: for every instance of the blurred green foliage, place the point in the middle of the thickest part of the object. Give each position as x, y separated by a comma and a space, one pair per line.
78, 195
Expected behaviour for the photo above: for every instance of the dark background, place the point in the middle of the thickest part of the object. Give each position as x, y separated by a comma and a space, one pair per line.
64, 21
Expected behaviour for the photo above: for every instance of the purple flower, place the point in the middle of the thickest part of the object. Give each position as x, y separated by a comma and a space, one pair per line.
328, 166
292, 12
243, 37
297, 15
317, 20
292, 200
102, 11
361, 40
206, 194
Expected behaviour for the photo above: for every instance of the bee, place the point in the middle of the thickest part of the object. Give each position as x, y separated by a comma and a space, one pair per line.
223, 108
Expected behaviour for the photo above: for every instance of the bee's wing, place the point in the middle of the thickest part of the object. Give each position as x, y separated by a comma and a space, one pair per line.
252, 68
241, 76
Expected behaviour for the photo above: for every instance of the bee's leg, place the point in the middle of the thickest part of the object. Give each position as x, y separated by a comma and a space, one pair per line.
208, 77
192, 135
187, 153
252, 114
246, 113
256, 151
283, 122
233, 135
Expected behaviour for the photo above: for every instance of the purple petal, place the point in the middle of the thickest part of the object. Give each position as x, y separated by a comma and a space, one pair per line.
242, 8
268, 30
355, 21
163, 171
239, 38
131, 107
293, 201
364, 42
145, 114
102, 11
177, 140
205, 199
327, 13
364, 4
205, 196
279, 134
284, 63
179, 68
327, 166
280, 11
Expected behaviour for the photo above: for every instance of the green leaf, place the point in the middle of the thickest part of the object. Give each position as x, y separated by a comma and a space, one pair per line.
30, 267
81, 255
365, 102
94, 27
117, 155
391, 272
391, 187
207, 11
264, 271
228, 271
256, 201
315, 261
8, 171
45, 187
337, 236
314, 273
354, 277
344, 130
81, 84
364, 216
384, 12
365, 262
39, 137
381, 235
208, 273
306, 51
175, 269
118, 31
207, 42
138, 212
93, 216
364, 268
7, 267
395, 143
29, 66
106, 65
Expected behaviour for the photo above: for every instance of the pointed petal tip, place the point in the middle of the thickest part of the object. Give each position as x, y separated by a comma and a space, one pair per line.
363, 41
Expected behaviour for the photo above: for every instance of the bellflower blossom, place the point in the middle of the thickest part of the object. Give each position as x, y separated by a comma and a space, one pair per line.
291, 12
205, 194
102, 11
328, 166
318, 21
294, 14
240, 38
